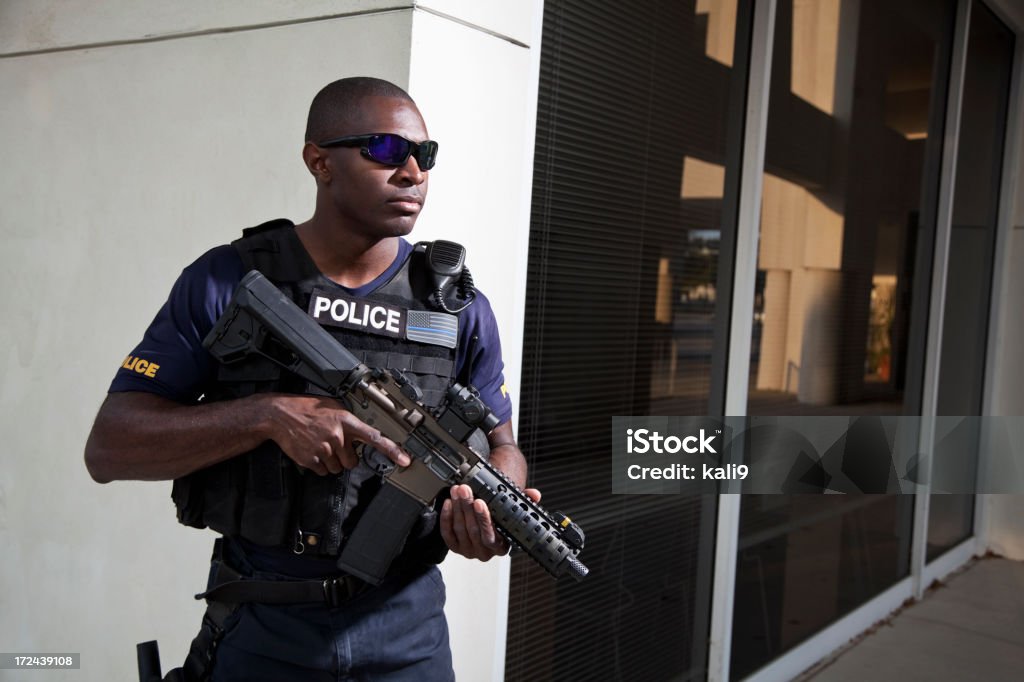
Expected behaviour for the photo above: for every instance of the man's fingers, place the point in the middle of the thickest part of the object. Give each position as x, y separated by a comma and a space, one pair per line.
327, 458
470, 522
483, 523
390, 450
395, 453
467, 527
349, 458
316, 466
459, 527
357, 430
492, 538
532, 493
458, 523
446, 525
464, 496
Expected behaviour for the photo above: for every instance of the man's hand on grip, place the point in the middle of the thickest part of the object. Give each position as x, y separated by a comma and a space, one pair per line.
318, 433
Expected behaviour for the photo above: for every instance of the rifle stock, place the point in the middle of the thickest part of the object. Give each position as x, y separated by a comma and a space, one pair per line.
262, 320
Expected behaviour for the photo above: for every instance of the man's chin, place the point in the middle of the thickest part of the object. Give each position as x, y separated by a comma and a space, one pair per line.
401, 227
390, 231
390, 227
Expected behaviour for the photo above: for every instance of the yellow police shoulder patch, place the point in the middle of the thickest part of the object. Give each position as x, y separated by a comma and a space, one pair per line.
140, 366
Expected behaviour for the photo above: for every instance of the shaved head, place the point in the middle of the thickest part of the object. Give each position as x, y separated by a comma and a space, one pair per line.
338, 103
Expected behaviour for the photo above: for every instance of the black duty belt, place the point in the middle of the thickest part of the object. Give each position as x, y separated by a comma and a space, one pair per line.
233, 588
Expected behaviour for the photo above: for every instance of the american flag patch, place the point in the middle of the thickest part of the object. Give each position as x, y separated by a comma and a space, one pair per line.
438, 329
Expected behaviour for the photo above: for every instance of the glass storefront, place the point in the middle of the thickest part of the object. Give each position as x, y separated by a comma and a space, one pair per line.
847, 223
639, 146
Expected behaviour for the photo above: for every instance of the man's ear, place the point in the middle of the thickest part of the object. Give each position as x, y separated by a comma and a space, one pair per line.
315, 159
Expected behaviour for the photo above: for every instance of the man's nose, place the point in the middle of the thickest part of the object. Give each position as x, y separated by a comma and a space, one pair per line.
411, 172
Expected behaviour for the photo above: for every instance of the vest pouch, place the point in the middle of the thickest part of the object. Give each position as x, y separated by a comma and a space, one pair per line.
361, 484
209, 498
187, 495
271, 479
222, 497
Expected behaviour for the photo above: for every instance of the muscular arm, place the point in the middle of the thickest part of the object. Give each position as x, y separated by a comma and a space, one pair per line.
141, 436
505, 454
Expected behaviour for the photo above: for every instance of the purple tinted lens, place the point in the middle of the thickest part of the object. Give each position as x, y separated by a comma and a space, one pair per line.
389, 149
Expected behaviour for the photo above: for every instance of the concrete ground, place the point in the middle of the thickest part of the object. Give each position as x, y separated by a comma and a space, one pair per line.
969, 628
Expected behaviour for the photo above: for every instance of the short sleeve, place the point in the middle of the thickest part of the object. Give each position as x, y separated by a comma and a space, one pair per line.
480, 345
170, 361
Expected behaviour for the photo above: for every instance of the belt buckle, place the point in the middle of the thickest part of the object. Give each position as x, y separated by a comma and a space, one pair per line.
338, 590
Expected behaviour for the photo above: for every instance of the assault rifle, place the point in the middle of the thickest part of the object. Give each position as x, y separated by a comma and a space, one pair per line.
261, 320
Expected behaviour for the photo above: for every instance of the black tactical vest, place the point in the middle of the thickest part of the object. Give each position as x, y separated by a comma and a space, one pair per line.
262, 495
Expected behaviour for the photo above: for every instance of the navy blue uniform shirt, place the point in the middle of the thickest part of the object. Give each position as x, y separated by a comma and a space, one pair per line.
171, 361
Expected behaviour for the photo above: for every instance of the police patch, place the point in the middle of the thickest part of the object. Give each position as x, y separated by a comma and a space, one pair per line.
439, 329
349, 312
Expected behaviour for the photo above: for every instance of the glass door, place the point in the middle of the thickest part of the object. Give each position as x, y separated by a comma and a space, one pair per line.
990, 48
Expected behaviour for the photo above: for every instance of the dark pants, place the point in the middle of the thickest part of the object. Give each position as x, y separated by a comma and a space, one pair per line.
396, 631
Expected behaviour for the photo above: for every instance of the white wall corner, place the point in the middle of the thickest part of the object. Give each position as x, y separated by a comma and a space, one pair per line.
473, 73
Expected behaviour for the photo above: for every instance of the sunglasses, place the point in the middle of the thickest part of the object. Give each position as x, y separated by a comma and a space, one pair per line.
389, 149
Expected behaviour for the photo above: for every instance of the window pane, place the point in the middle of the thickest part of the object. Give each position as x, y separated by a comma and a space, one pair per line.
847, 225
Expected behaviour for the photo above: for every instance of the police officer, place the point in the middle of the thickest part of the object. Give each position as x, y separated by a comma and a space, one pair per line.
258, 458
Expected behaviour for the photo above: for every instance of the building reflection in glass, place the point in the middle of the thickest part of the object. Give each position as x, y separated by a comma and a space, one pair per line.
639, 114
847, 223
